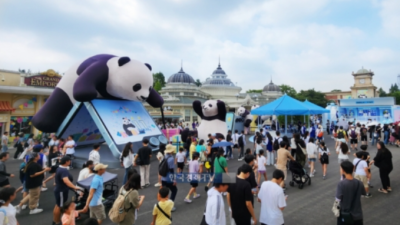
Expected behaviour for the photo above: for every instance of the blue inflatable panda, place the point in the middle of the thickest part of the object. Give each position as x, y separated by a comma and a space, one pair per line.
100, 76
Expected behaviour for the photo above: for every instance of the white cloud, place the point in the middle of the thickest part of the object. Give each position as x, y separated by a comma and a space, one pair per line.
390, 14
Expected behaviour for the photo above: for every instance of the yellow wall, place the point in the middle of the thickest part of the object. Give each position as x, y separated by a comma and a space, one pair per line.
10, 79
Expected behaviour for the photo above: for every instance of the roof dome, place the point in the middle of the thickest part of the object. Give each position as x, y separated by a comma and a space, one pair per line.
271, 87
181, 77
218, 78
362, 71
219, 70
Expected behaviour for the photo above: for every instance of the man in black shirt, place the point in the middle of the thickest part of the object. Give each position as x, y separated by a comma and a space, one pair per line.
249, 159
240, 198
364, 135
144, 154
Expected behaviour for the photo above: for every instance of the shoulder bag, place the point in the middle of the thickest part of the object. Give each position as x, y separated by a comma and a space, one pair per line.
166, 215
346, 215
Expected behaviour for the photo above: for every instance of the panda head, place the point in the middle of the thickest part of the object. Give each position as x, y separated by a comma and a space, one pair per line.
126, 121
241, 111
129, 79
210, 108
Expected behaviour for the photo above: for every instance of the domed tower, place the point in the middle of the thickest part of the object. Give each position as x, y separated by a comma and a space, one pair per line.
363, 86
181, 77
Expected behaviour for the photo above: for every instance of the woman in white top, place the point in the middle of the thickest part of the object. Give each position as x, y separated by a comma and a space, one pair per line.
343, 152
69, 147
160, 157
127, 159
293, 146
7, 211
54, 141
87, 170
312, 151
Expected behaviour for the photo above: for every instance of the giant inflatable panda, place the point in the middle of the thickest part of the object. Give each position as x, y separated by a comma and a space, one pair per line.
213, 115
100, 76
247, 118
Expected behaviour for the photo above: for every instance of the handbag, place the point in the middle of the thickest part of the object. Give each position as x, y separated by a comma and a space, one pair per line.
166, 215
203, 157
336, 208
346, 215
302, 149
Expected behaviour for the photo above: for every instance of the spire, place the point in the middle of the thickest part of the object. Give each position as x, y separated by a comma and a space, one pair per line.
181, 66
219, 61
271, 80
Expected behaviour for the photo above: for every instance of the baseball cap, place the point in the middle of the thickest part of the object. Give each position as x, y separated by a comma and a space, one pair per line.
100, 166
65, 159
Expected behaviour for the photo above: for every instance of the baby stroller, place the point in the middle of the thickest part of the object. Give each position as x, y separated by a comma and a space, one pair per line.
299, 175
110, 191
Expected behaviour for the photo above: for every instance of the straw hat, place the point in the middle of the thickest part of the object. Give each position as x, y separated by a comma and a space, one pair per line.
170, 149
100, 166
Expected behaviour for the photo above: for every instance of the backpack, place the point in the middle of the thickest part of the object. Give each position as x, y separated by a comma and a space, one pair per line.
117, 212
353, 134
340, 134
163, 168
321, 134
276, 144
240, 140
5, 216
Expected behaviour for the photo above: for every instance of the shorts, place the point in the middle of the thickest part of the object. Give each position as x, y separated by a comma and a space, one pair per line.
353, 141
363, 179
194, 183
284, 170
61, 197
26, 190
342, 160
363, 138
181, 165
261, 171
97, 212
5, 183
312, 159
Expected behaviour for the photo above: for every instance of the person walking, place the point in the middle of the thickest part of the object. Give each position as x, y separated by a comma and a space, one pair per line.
383, 160
229, 147
348, 193
132, 201
272, 199
4, 142
214, 213
95, 198
235, 138
270, 155
262, 162
53, 154
63, 183
162, 211
343, 152
144, 156
69, 147
127, 160
94, 154
19, 146
312, 151
194, 169
160, 158
323, 157
353, 137
4, 182
361, 171
282, 157
166, 181
240, 198
7, 210
364, 135
242, 144
300, 149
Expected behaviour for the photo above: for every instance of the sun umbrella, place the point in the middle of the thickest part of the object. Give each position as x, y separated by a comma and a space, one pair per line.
222, 144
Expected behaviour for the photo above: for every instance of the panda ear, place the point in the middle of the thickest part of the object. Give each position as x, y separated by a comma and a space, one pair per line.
123, 60
148, 66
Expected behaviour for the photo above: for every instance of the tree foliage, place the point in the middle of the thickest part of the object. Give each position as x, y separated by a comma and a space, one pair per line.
313, 96
382, 93
393, 88
286, 89
254, 91
158, 77
157, 86
198, 83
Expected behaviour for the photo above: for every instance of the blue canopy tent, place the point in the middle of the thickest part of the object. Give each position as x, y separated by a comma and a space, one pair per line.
284, 105
314, 109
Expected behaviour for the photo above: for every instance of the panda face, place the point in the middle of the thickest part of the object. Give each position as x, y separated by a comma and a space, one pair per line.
126, 121
131, 81
210, 108
241, 111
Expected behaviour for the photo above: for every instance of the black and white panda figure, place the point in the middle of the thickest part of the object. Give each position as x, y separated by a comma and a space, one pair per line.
213, 116
247, 117
127, 126
100, 76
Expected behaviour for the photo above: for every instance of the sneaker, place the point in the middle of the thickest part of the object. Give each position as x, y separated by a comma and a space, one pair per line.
196, 196
187, 200
368, 195
323, 177
44, 189
173, 209
314, 171
241, 159
370, 186
157, 185
24, 207
311, 175
35, 211
147, 185
18, 209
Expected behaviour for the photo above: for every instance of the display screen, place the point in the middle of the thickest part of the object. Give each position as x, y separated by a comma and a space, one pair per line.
126, 121
382, 115
83, 129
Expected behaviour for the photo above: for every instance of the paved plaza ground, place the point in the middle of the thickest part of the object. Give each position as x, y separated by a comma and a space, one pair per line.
311, 205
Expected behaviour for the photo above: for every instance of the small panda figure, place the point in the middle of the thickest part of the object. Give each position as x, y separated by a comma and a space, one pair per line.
100, 76
259, 119
243, 112
213, 115
128, 126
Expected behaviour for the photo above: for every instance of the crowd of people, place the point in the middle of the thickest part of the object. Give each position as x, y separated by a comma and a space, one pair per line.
51, 161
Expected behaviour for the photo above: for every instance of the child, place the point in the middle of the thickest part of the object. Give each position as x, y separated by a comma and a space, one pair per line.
162, 210
311, 153
69, 213
361, 171
194, 169
323, 157
262, 161
367, 157
180, 159
7, 211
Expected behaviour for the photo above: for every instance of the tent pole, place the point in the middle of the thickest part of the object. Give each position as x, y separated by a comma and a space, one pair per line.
286, 124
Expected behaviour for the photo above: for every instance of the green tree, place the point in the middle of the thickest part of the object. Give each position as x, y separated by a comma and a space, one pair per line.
382, 93
396, 96
254, 91
158, 77
157, 86
198, 83
313, 96
336, 90
288, 90
393, 88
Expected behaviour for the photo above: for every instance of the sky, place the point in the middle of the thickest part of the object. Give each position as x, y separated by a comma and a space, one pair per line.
302, 43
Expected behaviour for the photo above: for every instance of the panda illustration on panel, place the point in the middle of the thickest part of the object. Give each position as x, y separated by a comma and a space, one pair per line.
213, 115
100, 76
247, 118
129, 128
